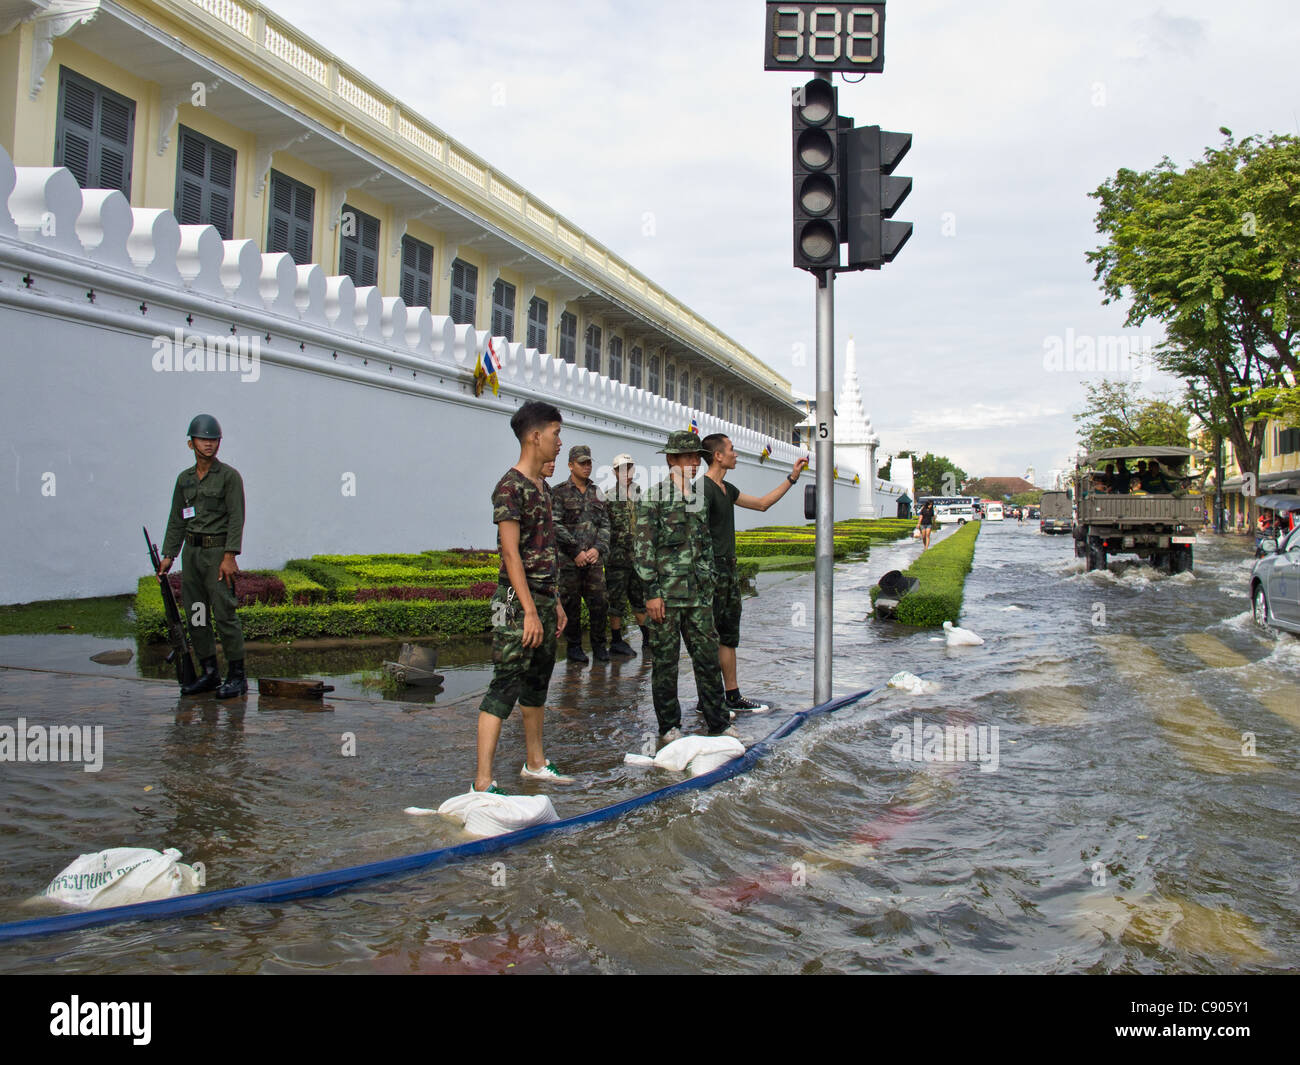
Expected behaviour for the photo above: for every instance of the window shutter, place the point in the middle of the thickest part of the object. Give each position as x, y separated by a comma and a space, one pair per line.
94, 133
115, 118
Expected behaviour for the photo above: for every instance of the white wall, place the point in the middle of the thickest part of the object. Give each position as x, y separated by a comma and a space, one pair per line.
93, 435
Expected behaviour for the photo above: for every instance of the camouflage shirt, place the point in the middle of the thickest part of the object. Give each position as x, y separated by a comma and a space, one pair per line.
517, 498
622, 504
218, 508
583, 514
674, 551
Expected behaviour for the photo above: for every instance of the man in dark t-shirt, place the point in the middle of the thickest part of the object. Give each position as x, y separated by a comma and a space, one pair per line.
721, 499
526, 612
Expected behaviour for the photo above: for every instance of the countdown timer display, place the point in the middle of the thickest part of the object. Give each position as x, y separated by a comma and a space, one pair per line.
847, 37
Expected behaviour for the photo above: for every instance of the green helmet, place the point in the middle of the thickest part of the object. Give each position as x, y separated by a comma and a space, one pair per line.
204, 427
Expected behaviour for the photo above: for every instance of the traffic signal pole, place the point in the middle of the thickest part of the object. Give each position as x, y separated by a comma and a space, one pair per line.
845, 193
823, 589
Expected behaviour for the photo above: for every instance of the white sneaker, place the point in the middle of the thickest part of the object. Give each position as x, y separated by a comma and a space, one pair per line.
547, 772
670, 735
725, 732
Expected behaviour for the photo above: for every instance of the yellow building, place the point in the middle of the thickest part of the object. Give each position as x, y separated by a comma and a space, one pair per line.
1279, 472
223, 113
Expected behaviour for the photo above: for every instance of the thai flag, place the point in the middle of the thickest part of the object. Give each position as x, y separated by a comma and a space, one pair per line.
486, 370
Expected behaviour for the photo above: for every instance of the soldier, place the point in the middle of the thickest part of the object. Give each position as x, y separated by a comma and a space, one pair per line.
526, 613
580, 508
674, 559
722, 497
623, 584
208, 516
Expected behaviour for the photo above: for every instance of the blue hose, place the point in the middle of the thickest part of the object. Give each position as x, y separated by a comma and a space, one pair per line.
337, 880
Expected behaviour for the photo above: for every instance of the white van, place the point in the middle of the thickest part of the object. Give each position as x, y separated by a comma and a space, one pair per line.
992, 511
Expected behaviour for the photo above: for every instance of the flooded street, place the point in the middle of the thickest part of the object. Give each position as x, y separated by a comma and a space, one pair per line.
1140, 814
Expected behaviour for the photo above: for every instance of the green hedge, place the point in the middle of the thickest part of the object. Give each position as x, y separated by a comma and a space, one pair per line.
416, 617
385, 574
942, 572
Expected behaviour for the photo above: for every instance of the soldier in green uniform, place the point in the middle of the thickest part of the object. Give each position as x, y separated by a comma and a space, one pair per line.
208, 517
580, 508
623, 585
674, 559
526, 613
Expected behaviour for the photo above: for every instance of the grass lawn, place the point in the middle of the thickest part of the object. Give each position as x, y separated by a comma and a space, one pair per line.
104, 616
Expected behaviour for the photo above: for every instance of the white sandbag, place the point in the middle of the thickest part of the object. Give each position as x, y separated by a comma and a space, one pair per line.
912, 684
958, 637
121, 876
485, 814
699, 754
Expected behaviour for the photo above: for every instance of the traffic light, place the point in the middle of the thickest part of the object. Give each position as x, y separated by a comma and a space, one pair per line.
817, 176
871, 195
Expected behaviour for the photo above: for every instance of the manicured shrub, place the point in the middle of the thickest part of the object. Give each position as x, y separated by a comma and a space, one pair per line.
942, 572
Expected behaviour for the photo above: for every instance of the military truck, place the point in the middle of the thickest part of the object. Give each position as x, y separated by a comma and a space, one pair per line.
1154, 514
1056, 513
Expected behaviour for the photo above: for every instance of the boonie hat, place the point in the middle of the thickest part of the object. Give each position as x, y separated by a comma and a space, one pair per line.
579, 452
682, 442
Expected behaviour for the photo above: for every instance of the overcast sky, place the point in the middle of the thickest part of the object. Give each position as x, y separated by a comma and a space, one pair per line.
654, 127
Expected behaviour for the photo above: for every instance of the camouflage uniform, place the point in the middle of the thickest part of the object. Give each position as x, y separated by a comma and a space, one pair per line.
620, 572
523, 674
215, 529
585, 518
674, 559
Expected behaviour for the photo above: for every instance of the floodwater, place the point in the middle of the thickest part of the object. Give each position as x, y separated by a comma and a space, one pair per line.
1140, 814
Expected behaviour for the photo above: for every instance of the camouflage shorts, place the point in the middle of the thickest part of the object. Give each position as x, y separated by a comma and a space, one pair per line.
519, 674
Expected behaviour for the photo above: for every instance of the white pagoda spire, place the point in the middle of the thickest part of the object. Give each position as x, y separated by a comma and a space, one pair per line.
852, 425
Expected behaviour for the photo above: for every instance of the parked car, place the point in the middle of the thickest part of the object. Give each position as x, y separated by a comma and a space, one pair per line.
1275, 584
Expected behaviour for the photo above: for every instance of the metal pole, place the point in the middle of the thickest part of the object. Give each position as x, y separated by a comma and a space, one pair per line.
825, 559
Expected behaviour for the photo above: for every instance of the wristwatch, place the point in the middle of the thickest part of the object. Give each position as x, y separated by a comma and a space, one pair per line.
792, 479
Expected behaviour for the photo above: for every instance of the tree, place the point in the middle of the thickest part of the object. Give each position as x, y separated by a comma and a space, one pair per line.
1117, 415
1213, 252
935, 475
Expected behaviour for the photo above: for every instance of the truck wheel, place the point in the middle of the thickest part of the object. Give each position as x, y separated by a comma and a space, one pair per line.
1096, 558
1162, 560
1181, 559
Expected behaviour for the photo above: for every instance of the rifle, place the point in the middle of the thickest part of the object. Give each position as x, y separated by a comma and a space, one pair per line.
176, 635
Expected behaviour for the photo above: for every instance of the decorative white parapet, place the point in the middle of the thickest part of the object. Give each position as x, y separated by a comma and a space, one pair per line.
44, 207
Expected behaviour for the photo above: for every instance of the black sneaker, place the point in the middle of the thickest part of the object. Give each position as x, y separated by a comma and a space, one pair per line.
599, 652
741, 703
620, 647
577, 654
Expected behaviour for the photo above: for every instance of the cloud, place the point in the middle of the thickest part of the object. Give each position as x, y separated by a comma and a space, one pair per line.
1018, 110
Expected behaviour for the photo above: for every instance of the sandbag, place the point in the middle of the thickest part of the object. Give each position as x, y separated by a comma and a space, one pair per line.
484, 814
699, 754
910, 682
121, 876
